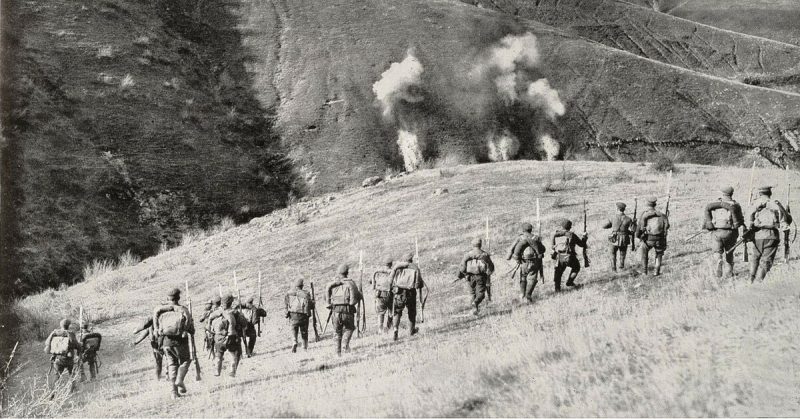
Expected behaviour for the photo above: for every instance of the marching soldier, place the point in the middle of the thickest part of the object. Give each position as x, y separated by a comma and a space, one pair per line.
564, 242
622, 229
476, 267
382, 285
299, 304
652, 230
766, 220
253, 315
90, 345
343, 297
63, 347
227, 337
406, 280
147, 326
172, 324
527, 251
723, 218
208, 341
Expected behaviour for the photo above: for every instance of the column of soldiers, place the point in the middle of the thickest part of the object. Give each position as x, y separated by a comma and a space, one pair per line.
397, 284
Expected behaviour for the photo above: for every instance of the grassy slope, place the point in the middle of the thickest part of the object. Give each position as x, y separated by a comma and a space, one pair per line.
318, 61
683, 344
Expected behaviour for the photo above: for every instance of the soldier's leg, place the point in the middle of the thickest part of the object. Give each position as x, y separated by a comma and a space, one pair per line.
574, 269
411, 306
768, 251
171, 355
158, 357
304, 332
480, 290
219, 353
185, 359
380, 310
557, 273
389, 312
523, 279
727, 244
623, 251
755, 259
295, 332
338, 325
644, 251
349, 328
236, 353
532, 281
614, 258
93, 369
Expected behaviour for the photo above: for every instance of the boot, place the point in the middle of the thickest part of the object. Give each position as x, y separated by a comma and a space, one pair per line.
658, 266
622, 260
414, 330
175, 393
347, 335
614, 261
339, 344
522, 287
394, 336
475, 310
305, 344
753, 269
218, 365
718, 265
181, 375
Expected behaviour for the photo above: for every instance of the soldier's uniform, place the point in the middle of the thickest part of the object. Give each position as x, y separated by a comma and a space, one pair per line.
63, 362
723, 218
527, 251
652, 231
622, 229
406, 280
767, 219
253, 315
175, 349
90, 344
227, 337
476, 268
154, 344
382, 286
299, 304
343, 297
563, 243
208, 341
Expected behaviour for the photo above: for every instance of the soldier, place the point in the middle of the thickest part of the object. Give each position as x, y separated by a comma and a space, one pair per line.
343, 296
476, 267
253, 316
227, 336
63, 347
173, 324
207, 309
622, 229
766, 220
299, 304
147, 326
652, 231
208, 342
527, 251
382, 285
406, 280
564, 242
723, 218
90, 345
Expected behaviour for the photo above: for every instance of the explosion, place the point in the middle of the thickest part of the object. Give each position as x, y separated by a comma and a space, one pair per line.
503, 148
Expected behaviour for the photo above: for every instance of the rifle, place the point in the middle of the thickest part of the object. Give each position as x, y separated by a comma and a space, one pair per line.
746, 237
669, 194
192, 346
422, 300
238, 306
488, 277
361, 326
635, 223
585, 255
788, 211
539, 233
260, 304
80, 339
749, 203
314, 315
139, 340
689, 238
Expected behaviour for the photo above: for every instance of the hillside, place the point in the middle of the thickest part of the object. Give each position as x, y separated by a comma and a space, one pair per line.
684, 344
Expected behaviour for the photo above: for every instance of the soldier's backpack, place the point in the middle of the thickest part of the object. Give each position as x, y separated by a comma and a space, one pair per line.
172, 323
477, 266
341, 295
766, 217
383, 282
405, 278
656, 225
562, 243
722, 218
529, 254
219, 325
59, 344
91, 343
299, 302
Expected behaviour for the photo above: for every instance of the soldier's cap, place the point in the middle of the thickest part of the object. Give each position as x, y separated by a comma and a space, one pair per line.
477, 242
388, 260
175, 292
408, 257
250, 300
210, 302
652, 201
227, 299
765, 190
526, 227
343, 269
566, 224
298, 283
217, 300
87, 326
64, 323
727, 190
621, 206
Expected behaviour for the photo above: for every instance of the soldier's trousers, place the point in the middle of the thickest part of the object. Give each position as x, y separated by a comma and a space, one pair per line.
91, 360
618, 253
178, 359
477, 288
405, 299
764, 251
564, 261
344, 323
299, 327
383, 307
158, 357
62, 364
223, 344
251, 334
723, 240
529, 277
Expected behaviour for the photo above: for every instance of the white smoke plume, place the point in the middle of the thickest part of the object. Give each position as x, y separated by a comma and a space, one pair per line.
503, 148
540, 94
400, 82
409, 149
550, 146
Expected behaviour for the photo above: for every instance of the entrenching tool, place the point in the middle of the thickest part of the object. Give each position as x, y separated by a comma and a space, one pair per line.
749, 204
635, 223
192, 346
314, 315
585, 255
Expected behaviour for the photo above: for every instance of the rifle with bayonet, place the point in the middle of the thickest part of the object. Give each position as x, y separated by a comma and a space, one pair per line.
746, 237
314, 315
585, 255
192, 346
538, 233
261, 304
635, 223
749, 204
488, 276
788, 211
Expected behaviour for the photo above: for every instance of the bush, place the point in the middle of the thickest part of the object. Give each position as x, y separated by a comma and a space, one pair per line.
663, 164
622, 175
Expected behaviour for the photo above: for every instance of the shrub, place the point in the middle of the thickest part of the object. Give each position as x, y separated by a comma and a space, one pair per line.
622, 175
97, 268
663, 164
127, 82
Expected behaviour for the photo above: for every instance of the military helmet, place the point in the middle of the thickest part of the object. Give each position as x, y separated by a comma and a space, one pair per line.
566, 224
174, 293
652, 201
765, 190
217, 300
477, 242
526, 227
408, 257
621, 206
87, 326
343, 269
388, 260
64, 323
210, 302
727, 190
227, 299
298, 283
251, 300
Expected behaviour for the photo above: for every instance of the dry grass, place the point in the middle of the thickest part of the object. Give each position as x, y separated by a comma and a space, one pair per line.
684, 344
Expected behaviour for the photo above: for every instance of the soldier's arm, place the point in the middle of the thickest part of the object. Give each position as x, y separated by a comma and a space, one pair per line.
786, 218
231, 318
511, 249
738, 216
190, 320
464, 260
47, 342
607, 224
420, 281
489, 263
260, 312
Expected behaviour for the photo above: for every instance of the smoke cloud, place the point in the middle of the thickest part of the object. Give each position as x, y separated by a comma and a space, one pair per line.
443, 109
